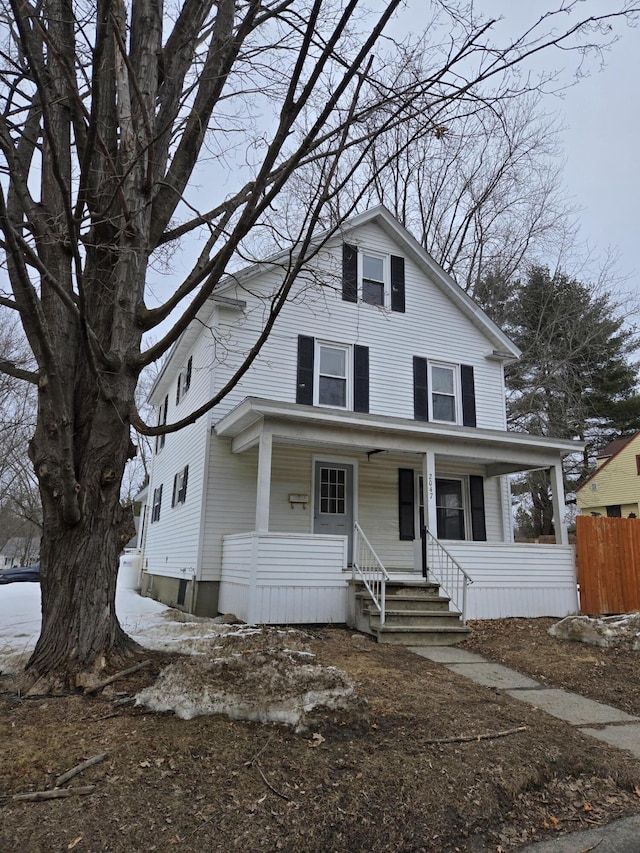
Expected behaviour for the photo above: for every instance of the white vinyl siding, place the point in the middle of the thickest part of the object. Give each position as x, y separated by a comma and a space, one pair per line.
173, 544
432, 326
511, 580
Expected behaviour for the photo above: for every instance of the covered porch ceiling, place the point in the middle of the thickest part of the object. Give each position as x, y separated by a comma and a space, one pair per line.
499, 451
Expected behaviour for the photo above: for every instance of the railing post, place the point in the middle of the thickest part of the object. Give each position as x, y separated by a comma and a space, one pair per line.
383, 593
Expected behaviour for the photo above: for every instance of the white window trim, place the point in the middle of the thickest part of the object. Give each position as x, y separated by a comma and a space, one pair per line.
466, 502
457, 391
348, 350
386, 273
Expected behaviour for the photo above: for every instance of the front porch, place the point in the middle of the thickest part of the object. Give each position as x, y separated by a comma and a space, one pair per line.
318, 474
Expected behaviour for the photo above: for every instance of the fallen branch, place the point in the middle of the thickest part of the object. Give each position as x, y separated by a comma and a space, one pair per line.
95, 687
269, 785
53, 794
65, 777
487, 736
253, 760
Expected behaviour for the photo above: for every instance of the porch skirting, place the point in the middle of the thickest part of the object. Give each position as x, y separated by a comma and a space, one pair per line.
284, 578
520, 579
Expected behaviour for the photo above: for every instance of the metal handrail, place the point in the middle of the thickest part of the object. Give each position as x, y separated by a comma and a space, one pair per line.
452, 578
370, 570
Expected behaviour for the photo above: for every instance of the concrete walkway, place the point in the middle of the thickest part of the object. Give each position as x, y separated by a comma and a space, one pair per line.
594, 719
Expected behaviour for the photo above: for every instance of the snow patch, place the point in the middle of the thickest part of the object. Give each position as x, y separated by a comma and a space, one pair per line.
607, 631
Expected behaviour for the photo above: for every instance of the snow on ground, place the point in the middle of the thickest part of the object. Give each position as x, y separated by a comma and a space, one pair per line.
607, 631
242, 671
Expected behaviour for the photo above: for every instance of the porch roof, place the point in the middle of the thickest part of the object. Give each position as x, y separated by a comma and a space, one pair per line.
501, 451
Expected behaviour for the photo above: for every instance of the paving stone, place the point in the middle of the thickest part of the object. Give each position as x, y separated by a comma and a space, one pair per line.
624, 737
447, 654
493, 675
570, 707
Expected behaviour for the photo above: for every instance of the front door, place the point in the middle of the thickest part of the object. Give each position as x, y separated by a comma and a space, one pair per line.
333, 501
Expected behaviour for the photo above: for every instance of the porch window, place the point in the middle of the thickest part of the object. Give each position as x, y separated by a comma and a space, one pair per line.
332, 385
450, 509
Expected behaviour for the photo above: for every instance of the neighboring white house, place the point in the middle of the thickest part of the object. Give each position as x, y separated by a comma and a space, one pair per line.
376, 407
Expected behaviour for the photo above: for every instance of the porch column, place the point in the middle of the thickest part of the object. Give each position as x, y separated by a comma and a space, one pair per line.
263, 486
557, 496
429, 491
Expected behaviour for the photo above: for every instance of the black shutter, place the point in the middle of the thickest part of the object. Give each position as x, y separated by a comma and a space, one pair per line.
175, 490
187, 381
397, 283
406, 521
183, 491
420, 389
476, 494
178, 388
304, 388
361, 379
349, 273
468, 395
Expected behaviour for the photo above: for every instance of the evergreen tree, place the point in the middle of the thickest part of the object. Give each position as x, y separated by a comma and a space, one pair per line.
576, 377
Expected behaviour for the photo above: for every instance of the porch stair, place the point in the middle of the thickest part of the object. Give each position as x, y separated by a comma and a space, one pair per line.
415, 615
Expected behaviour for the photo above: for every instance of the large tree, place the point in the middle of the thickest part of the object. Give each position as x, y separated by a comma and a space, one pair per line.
111, 112
577, 377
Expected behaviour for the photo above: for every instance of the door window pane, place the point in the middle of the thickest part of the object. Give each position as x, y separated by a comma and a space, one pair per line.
333, 491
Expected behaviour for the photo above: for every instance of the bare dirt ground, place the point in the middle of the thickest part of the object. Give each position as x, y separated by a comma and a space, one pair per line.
373, 778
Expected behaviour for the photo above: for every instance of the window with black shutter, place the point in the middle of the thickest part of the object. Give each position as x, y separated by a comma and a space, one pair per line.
180, 486
157, 504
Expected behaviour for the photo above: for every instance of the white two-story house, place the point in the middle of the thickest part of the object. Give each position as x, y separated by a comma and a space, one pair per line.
368, 440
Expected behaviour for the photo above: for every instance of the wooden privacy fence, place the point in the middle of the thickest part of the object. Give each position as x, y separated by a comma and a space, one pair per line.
608, 558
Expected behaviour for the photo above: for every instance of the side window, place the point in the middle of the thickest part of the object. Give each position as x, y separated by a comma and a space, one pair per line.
180, 486
162, 420
184, 380
157, 504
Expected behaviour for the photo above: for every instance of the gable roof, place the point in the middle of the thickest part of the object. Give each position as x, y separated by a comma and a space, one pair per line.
504, 348
609, 453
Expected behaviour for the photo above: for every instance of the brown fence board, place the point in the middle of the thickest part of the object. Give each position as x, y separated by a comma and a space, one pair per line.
608, 559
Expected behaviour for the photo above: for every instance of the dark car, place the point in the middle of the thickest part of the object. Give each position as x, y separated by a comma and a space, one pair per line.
20, 573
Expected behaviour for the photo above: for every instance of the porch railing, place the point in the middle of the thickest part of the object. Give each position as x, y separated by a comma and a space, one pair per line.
368, 568
446, 570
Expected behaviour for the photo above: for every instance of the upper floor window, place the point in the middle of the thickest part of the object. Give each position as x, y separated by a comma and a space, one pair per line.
184, 380
444, 402
332, 386
332, 374
162, 421
180, 486
373, 277
443, 392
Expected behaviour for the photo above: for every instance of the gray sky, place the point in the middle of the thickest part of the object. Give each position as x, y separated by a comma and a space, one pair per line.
602, 121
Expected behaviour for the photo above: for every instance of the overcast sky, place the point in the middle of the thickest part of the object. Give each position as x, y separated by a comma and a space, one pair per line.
601, 139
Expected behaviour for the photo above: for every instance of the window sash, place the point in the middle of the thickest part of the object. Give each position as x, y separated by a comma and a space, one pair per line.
375, 284
333, 380
444, 399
